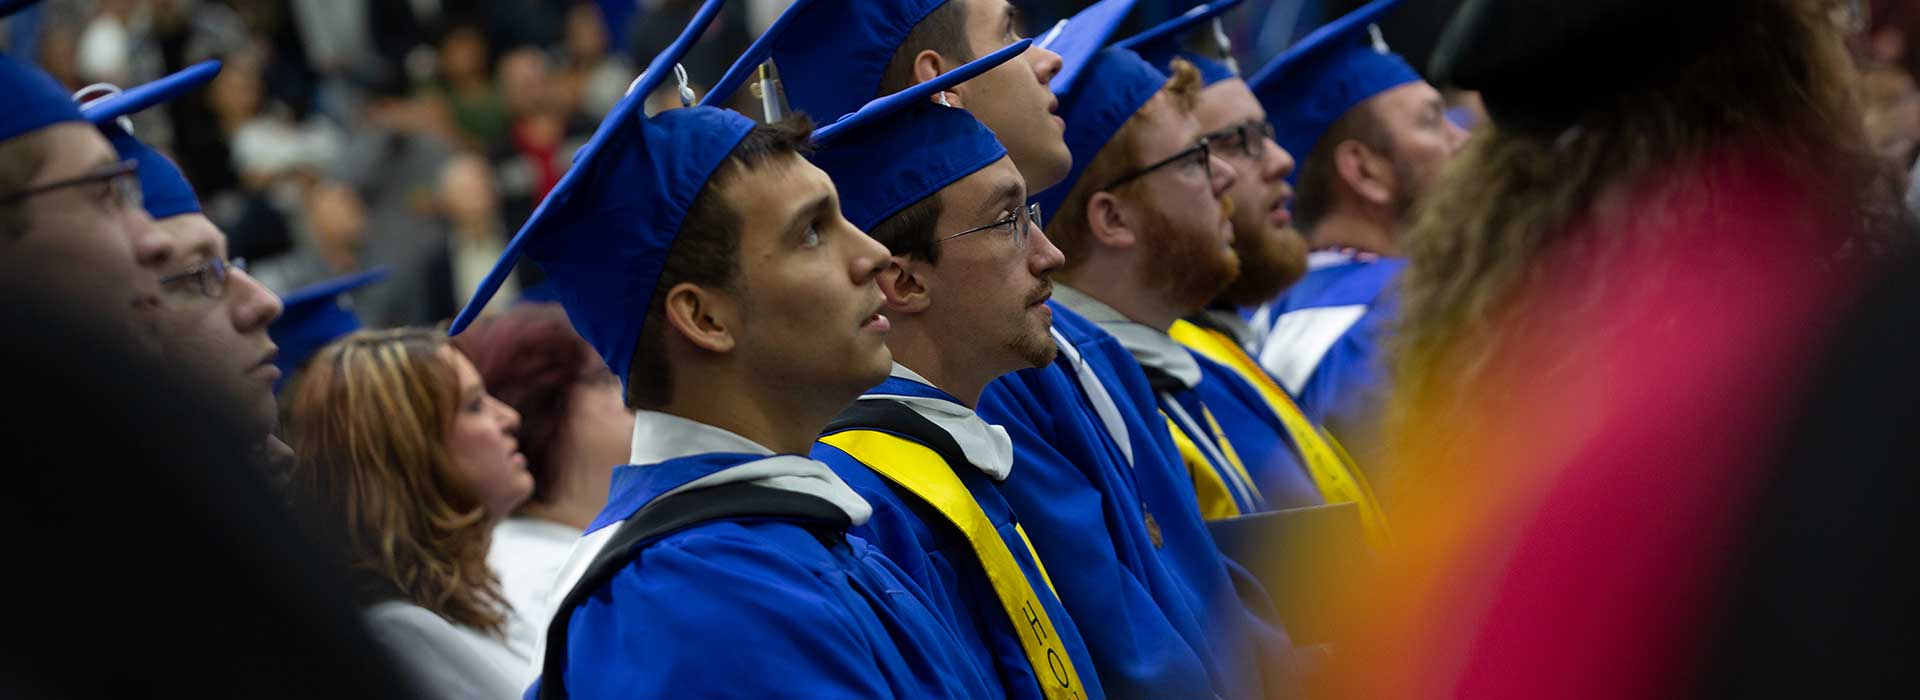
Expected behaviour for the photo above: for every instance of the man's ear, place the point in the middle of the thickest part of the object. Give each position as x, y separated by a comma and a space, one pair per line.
706, 318
906, 285
1110, 221
1365, 171
929, 64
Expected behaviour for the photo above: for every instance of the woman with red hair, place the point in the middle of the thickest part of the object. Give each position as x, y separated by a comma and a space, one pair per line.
574, 430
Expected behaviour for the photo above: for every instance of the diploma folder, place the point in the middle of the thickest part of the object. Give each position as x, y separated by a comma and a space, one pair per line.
1299, 555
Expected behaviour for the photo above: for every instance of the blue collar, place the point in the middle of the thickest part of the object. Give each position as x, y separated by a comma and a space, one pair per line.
635, 486
902, 386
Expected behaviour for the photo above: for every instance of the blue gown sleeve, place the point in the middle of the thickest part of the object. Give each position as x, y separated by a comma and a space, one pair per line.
722, 617
1063, 505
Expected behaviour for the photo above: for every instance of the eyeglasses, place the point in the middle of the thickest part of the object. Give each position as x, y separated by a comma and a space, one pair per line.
207, 278
123, 188
1248, 139
1010, 221
1200, 156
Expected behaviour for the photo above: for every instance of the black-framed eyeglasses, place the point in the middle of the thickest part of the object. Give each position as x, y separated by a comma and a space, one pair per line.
1200, 155
1248, 139
123, 184
207, 278
1010, 221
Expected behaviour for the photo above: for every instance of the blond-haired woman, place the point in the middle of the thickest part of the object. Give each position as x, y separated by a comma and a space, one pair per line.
413, 463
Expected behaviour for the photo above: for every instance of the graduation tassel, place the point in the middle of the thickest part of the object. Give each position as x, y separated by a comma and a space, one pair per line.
1225, 44
1379, 40
687, 98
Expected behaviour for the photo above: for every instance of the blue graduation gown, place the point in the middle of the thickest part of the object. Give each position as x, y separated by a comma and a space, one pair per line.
1324, 339
756, 608
932, 553
1257, 434
1160, 607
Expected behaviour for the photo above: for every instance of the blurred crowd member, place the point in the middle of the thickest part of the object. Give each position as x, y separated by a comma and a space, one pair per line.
113, 438
446, 272
1367, 157
400, 445
592, 78
68, 203
334, 244
465, 82
272, 145
531, 155
1611, 299
574, 430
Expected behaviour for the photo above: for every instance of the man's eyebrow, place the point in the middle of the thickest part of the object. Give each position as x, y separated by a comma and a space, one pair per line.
807, 213
1008, 192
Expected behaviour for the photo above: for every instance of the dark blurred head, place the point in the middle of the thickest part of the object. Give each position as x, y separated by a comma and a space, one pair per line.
569, 402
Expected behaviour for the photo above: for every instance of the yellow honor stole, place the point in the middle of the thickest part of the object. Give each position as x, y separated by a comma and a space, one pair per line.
1327, 462
924, 472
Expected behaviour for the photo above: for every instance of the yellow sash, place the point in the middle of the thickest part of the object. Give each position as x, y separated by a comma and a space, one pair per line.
921, 470
1215, 495
1332, 469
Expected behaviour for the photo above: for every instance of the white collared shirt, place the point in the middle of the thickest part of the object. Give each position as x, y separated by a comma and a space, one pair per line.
986, 445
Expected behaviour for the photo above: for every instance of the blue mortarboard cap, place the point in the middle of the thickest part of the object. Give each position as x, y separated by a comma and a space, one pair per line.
603, 233
832, 53
863, 152
1081, 37
8, 7
1161, 44
34, 100
163, 188
314, 316
1117, 83
1327, 73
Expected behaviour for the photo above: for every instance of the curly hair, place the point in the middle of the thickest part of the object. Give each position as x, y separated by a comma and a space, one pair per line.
1778, 85
369, 420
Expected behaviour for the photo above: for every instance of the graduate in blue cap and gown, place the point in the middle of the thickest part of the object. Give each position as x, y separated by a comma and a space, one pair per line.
76, 215
1291, 461
833, 56
709, 266
965, 295
1371, 137
316, 315
1102, 488
210, 312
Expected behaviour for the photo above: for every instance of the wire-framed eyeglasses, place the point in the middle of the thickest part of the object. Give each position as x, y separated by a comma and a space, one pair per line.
123, 186
1010, 221
1199, 156
207, 278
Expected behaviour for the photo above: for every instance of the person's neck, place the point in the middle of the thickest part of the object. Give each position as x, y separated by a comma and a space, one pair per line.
1346, 228
1115, 284
572, 501
780, 418
949, 364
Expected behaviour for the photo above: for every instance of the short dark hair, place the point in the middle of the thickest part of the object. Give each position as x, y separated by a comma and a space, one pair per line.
909, 233
944, 31
705, 252
1313, 199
